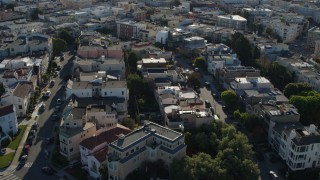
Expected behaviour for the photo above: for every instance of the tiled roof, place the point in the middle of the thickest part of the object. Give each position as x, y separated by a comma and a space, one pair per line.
101, 155
4, 110
107, 136
22, 90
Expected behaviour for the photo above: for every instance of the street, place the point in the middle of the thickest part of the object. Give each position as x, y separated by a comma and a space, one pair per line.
37, 156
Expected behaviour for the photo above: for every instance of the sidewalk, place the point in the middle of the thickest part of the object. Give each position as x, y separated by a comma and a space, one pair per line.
15, 160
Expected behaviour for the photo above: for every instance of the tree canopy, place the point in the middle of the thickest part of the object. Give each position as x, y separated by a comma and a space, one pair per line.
129, 123
200, 63
35, 13
279, 75
194, 79
296, 89
132, 62
65, 35
224, 154
59, 45
243, 48
230, 98
135, 84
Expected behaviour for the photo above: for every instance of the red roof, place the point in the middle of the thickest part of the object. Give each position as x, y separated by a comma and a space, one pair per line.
4, 110
107, 136
101, 155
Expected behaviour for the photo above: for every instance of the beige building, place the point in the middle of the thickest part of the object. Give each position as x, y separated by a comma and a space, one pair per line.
149, 143
73, 130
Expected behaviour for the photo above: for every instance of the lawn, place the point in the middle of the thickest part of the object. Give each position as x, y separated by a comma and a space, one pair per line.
15, 143
5, 160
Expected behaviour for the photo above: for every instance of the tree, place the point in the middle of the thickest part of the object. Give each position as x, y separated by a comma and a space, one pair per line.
175, 3
35, 14
230, 98
200, 63
194, 80
132, 62
2, 89
65, 35
59, 45
243, 48
135, 84
103, 172
129, 123
269, 31
279, 75
296, 89
76, 43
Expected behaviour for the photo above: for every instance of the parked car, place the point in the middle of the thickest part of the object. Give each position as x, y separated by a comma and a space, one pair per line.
59, 101
74, 163
48, 170
49, 140
52, 83
42, 108
56, 73
273, 175
35, 126
207, 104
47, 94
55, 117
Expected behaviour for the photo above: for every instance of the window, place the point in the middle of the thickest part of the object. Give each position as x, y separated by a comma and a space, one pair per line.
122, 92
132, 150
105, 93
20, 107
71, 150
127, 154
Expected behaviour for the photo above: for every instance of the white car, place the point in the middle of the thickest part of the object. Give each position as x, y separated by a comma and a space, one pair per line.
47, 93
273, 175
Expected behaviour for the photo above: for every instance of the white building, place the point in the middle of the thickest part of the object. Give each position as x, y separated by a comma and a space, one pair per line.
232, 21
94, 150
162, 36
244, 83
104, 116
313, 36
8, 119
299, 146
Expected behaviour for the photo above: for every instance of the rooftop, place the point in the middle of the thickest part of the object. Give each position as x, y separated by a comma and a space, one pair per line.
22, 90
108, 136
6, 109
150, 129
70, 132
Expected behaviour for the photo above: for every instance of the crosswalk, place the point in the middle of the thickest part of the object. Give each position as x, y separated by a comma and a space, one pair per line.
10, 177
28, 164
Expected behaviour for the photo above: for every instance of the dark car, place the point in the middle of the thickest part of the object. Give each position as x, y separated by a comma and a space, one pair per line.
35, 126
55, 117
49, 140
207, 104
47, 170
29, 140
42, 108
59, 101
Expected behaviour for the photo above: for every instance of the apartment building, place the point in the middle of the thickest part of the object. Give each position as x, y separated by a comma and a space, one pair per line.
74, 129
296, 144
148, 143
94, 150
19, 96
129, 29
228, 74
312, 37
8, 119
288, 31
242, 83
103, 116
232, 21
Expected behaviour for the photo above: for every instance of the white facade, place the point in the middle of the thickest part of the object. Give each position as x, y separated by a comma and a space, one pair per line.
232, 21
8, 119
251, 83
162, 36
299, 146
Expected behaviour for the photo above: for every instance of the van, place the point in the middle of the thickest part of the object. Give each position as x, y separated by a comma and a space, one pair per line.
74, 163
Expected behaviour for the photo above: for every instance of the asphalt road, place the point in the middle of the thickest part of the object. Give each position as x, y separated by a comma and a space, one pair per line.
37, 156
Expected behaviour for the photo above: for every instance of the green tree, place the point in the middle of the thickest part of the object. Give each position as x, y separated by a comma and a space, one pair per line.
2, 89
296, 89
230, 98
243, 48
132, 62
175, 3
65, 35
269, 31
59, 45
194, 80
279, 75
135, 84
200, 63
35, 14
129, 123
76, 43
